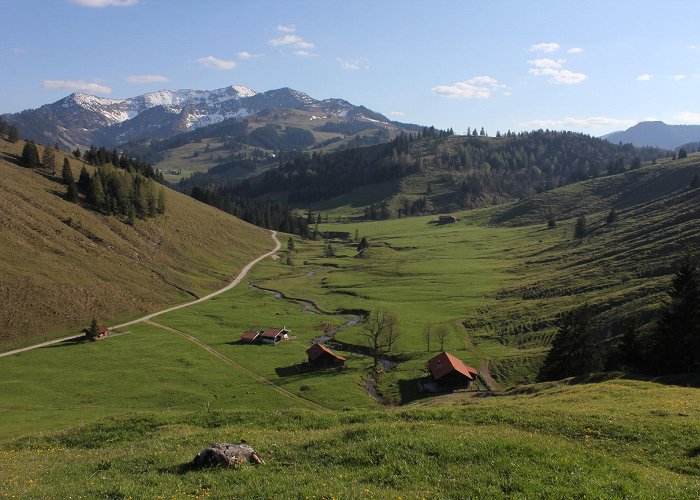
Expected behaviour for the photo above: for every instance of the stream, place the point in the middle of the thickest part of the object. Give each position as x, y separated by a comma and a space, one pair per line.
310, 307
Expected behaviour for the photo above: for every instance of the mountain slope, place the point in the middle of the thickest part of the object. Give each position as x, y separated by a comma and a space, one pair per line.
657, 134
83, 120
61, 263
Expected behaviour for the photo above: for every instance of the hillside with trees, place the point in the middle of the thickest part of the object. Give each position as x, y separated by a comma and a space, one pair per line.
80, 241
434, 171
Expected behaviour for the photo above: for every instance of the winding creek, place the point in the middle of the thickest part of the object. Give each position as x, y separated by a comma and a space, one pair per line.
310, 307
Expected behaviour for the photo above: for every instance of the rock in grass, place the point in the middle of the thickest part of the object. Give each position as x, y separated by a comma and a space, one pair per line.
226, 455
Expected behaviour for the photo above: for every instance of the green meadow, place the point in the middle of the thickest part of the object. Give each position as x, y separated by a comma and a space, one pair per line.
122, 417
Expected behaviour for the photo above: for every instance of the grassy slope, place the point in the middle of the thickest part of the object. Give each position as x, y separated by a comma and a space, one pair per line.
611, 440
62, 263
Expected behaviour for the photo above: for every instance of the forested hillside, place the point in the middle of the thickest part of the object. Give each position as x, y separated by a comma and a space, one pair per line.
430, 172
66, 260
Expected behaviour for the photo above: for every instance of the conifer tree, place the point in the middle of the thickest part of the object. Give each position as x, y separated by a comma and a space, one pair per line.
13, 134
574, 349
581, 229
48, 159
290, 245
695, 183
83, 180
612, 216
161, 201
30, 155
677, 332
69, 181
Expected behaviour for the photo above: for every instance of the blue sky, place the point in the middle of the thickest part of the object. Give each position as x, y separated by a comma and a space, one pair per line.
593, 66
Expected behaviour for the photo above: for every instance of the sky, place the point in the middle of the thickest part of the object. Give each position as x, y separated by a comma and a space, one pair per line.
589, 66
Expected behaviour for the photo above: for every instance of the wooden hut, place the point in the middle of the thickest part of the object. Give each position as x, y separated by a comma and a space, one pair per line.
321, 356
274, 335
250, 336
102, 332
451, 372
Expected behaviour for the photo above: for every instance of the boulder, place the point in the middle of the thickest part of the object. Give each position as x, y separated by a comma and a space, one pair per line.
226, 455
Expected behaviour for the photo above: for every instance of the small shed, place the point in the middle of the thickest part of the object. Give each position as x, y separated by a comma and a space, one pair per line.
321, 356
449, 371
274, 335
102, 332
250, 336
445, 219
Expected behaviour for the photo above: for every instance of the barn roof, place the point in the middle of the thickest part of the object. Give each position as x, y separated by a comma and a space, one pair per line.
317, 350
445, 363
250, 335
272, 332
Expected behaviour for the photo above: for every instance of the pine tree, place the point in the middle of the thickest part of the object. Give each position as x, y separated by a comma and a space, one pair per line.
161, 201
551, 223
69, 181
83, 180
363, 244
48, 159
695, 183
580, 230
329, 251
612, 216
682, 154
574, 349
13, 134
30, 155
290, 245
676, 337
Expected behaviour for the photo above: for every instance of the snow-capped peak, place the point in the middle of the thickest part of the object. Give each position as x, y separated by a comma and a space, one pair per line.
243, 91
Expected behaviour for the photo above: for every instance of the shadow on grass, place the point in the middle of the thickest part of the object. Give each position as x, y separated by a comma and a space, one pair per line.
410, 391
67, 343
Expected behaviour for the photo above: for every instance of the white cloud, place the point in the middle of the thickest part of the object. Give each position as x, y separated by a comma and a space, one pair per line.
687, 117
591, 122
575, 50
18, 50
286, 28
545, 47
677, 78
146, 78
478, 87
397, 114
547, 63
105, 3
76, 86
212, 62
553, 68
304, 53
352, 63
645, 77
294, 40
244, 54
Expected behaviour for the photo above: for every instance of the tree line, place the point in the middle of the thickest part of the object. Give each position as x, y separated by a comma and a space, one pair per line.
672, 345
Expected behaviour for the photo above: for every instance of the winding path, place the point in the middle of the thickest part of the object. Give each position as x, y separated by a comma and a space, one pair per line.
148, 317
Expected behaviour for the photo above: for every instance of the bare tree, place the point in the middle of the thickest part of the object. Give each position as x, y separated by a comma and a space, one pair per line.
381, 330
428, 333
441, 334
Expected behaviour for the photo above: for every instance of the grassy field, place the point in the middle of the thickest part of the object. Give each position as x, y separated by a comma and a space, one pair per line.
61, 263
124, 416
617, 439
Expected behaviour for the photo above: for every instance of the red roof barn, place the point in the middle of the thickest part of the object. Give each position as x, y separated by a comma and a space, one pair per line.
451, 371
322, 356
250, 336
102, 332
274, 335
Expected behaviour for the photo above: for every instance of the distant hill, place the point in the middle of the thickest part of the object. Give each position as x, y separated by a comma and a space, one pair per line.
83, 120
657, 134
63, 263
429, 173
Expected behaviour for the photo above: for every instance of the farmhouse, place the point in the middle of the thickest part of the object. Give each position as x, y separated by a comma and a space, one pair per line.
274, 335
451, 372
250, 336
102, 332
321, 356
447, 219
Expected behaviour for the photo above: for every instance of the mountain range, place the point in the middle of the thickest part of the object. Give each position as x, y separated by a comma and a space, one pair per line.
81, 120
656, 133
